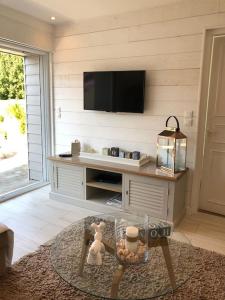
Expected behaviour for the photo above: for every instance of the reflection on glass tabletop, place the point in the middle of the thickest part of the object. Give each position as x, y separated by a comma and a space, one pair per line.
169, 255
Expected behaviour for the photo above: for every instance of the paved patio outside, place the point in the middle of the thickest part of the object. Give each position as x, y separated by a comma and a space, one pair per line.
14, 171
14, 178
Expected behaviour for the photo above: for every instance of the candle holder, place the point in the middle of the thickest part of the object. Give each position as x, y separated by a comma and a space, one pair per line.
131, 232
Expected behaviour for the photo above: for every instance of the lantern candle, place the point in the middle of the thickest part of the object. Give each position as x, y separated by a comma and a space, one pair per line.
171, 149
131, 242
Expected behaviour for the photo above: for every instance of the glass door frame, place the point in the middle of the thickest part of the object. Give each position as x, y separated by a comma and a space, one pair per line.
47, 111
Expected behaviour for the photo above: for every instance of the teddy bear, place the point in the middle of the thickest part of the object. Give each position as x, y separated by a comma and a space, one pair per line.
97, 247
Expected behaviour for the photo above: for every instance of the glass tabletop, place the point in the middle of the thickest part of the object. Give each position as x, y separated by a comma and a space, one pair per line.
139, 281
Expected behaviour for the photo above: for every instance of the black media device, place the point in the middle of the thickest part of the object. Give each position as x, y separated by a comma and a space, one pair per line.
109, 177
65, 155
114, 91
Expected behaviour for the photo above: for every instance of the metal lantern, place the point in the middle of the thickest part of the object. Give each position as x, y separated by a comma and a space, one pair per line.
171, 149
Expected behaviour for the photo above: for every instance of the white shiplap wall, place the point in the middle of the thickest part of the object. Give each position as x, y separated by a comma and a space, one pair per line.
34, 132
166, 41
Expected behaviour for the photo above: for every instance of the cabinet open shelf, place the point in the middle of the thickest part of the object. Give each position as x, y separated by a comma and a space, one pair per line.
105, 186
100, 196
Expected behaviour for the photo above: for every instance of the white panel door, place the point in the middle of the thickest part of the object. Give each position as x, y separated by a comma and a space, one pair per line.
146, 195
212, 194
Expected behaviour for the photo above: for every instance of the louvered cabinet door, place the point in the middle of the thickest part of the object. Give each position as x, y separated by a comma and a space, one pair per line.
147, 195
69, 180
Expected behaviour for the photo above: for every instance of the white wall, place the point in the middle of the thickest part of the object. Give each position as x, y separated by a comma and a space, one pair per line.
167, 42
19, 27
34, 130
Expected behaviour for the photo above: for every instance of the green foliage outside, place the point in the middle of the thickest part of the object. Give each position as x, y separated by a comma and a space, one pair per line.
17, 111
12, 87
2, 132
11, 76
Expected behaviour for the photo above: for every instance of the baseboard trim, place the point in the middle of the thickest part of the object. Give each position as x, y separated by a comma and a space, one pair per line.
211, 213
87, 204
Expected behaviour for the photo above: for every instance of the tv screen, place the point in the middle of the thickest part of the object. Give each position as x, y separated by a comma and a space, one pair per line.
114, 91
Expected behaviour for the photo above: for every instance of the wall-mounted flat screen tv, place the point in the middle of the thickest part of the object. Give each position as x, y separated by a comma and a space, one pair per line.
114, 91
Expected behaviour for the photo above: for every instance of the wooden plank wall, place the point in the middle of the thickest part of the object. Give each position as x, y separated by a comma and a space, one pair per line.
165, 41
34, 133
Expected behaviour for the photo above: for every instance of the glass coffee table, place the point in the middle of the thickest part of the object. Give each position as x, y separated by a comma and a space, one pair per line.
167, 268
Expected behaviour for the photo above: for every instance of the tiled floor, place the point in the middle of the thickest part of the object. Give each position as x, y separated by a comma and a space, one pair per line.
35, 219
205, 231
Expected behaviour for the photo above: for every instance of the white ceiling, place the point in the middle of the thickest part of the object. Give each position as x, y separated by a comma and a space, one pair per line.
67, 10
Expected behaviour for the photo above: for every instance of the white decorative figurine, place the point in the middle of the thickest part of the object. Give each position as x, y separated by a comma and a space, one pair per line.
97, 247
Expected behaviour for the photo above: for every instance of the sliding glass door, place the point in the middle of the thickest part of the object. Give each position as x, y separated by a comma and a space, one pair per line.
25, 126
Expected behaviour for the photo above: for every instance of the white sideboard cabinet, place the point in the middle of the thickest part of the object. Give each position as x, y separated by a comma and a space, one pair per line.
146, 194
142, 189
67, 180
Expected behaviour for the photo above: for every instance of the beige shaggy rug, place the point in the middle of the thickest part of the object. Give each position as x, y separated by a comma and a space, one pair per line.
33, 278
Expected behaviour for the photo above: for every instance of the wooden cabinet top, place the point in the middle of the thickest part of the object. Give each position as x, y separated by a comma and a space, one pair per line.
148, 169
